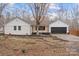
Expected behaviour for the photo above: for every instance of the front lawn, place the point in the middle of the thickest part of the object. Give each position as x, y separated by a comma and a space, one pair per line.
35, 45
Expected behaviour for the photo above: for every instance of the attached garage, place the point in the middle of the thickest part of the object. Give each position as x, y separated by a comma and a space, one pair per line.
58, 27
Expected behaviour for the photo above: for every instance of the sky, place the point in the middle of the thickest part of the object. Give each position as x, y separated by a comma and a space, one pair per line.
53, 6
52, 9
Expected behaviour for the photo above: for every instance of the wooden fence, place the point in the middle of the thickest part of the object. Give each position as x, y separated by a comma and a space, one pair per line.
74, 32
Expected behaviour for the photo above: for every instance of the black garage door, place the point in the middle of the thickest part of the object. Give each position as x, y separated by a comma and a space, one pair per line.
58, 29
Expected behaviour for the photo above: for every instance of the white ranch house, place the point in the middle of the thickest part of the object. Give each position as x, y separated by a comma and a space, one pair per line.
18, 26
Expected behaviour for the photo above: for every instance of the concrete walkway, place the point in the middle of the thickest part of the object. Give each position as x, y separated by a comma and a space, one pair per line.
67, 37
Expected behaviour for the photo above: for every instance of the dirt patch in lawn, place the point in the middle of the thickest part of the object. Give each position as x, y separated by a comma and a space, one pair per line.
35, 45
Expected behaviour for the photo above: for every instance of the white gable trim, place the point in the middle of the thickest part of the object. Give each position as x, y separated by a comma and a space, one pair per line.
59, 23
17, 19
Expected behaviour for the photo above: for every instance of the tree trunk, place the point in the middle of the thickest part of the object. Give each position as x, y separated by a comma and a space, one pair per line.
3, 29
37, 33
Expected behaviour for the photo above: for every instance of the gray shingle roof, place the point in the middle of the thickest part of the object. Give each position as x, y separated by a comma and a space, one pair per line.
25, 20
11, 19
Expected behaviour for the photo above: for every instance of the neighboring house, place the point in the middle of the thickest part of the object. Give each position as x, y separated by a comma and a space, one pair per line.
58, 27
18, 26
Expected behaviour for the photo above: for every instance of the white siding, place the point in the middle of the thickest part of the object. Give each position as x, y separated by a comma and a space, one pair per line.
25, 27
58, 24
1, 30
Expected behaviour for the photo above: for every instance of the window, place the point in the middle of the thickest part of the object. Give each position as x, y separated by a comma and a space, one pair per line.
41, 27
14, 27
19, 27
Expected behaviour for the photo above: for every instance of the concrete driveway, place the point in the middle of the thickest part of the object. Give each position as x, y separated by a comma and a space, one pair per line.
67, 37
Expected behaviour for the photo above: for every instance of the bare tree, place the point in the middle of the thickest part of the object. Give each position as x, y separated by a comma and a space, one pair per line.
4, 20
76, 12
72, 16
75, 16
2, 7
39, 10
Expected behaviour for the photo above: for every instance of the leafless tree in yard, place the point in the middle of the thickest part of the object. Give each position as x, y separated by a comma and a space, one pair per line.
39, 10
75, 16
2, 20
71, 16
25, 16
2, 6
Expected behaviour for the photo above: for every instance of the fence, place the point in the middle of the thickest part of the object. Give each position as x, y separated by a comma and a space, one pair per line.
74, 32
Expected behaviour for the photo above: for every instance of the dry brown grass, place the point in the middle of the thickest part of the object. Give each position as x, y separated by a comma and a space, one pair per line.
34, 45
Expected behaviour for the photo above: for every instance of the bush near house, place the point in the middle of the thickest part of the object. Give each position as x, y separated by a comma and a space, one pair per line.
74, 32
